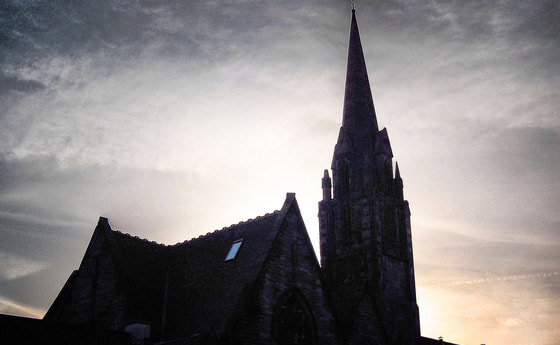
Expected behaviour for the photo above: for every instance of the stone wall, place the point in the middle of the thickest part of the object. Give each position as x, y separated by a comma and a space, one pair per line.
288, 304
93, 299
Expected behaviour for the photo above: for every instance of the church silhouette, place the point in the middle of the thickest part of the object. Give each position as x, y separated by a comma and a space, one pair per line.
259, 281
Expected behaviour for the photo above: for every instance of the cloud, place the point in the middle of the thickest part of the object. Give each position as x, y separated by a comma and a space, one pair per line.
522, 150
467, 256
506, 278
79, 103
158, 113
496, 308
11, 307
8, 83
14, 267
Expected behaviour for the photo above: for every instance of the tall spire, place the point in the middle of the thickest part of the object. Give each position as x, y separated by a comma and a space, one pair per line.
359, 113
364, 225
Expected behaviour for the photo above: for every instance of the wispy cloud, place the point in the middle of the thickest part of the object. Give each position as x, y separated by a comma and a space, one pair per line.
516, 277
157, 114
14, 267
11, 307
496, 307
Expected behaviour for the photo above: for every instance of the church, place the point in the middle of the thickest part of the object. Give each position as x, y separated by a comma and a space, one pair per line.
259, 281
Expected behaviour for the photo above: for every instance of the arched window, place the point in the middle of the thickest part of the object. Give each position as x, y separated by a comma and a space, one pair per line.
292, 321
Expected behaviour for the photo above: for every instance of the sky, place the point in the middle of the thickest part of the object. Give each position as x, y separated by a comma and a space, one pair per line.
177, 118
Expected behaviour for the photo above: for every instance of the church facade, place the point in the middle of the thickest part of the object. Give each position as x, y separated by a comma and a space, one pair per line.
259, 281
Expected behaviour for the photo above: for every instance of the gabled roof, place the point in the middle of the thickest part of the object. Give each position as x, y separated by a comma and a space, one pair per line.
142, 268
187, 288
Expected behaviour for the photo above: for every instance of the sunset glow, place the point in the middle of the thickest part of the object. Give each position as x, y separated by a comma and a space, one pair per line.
177, 118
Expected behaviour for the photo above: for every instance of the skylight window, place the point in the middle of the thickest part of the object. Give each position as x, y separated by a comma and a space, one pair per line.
233, 250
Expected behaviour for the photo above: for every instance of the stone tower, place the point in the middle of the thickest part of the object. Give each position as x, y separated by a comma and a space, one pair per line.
366, 244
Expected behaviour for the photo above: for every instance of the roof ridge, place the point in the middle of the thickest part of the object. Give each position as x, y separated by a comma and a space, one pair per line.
137, 238
226, 228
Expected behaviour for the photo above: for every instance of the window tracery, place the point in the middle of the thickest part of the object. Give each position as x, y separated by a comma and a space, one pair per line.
292, 322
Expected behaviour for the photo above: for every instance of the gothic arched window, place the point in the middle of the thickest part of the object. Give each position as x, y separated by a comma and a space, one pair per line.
292, 321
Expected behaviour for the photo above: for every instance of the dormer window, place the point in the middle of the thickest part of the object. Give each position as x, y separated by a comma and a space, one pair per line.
234, 249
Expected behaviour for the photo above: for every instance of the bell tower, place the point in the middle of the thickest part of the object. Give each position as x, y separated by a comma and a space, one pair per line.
364, 221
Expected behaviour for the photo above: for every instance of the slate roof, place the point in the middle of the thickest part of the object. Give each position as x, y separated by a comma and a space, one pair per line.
208, 287
188, 287
142, 268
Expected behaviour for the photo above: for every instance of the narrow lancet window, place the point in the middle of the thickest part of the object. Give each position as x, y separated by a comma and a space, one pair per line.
234, 249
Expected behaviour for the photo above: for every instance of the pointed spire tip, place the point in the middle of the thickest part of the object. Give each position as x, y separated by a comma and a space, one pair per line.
358, 110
